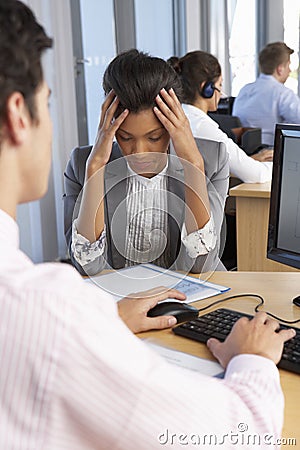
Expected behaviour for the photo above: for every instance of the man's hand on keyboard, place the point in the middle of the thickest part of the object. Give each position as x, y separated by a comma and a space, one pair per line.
133, 309
257, 336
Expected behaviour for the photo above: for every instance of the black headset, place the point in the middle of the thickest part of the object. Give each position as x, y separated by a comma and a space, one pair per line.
208, 89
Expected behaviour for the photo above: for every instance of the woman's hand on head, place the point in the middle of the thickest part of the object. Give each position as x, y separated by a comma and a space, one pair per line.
170, 113
107, 128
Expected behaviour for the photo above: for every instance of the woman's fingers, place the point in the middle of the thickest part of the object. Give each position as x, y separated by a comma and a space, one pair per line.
170, 105
105, 105
108, 112
108, 122
169, 111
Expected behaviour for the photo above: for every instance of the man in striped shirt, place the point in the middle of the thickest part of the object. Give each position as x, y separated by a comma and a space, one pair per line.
72, 376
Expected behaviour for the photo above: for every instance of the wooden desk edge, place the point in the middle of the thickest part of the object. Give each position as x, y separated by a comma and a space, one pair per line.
256, 190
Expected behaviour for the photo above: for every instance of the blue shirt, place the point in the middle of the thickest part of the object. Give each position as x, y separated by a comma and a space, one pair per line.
264, 103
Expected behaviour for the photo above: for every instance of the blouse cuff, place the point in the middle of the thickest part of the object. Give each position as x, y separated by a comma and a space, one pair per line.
85, 251
200, 242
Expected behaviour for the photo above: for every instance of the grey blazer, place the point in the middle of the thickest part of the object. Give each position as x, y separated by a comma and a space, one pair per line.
217, 175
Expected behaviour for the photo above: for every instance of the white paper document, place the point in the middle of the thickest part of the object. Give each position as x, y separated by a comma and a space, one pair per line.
190, 362
120, 283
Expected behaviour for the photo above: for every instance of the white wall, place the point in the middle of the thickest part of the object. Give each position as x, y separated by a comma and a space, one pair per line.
193, 38
274, 28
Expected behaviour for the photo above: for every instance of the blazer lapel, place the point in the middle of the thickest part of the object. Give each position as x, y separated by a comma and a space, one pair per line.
115, 211
176, 202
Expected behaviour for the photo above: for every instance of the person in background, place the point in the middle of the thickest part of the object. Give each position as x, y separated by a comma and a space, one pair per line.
144, 192
201, 77
73, 376
267, 100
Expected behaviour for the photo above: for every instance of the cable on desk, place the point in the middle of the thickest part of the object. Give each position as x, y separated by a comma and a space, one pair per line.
256, 309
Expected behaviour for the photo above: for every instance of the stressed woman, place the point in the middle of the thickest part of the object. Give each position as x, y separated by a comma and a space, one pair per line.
144, 192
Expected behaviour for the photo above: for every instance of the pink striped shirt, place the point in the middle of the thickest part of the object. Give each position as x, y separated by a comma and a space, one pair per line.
73, 377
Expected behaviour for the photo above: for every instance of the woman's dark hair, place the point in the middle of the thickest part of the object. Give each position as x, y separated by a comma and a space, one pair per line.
22, 42
195, 68
137, 78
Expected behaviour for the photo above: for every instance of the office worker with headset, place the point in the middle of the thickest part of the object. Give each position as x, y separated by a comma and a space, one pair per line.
150, 196
267, 100
73, 376
201, 77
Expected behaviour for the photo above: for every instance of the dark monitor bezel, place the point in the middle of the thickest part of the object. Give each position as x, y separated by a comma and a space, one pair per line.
274, 252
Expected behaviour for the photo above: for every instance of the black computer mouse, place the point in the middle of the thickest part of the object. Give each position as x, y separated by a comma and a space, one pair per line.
296, 300
182, 311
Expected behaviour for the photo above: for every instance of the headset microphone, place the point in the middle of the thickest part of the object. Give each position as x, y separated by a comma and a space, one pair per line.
208, 90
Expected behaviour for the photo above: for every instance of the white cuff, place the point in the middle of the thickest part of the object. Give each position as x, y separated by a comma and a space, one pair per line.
255, 363
200, 242
85, 251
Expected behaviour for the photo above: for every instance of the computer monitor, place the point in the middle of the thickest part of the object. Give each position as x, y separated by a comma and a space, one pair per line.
284, 219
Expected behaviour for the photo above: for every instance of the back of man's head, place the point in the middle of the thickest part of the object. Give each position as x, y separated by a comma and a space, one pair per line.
22, 42
272, 56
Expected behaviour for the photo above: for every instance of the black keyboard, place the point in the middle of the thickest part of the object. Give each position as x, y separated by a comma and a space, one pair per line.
218, 324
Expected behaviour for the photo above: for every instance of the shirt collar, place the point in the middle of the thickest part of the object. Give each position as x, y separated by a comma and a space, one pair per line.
147, 181
9, 230
264, 76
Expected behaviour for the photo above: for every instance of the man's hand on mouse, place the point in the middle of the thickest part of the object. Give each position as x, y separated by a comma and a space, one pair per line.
257, 337
133, 309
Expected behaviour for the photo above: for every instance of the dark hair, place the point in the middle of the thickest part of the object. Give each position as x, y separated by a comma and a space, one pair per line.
272, 55
137, 78
194, 68
21, 44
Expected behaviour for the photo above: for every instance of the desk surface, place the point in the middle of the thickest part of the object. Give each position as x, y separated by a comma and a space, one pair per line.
256, 190
278, 290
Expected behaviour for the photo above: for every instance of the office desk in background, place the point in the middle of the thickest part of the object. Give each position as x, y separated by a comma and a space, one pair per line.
252, 218
277, 289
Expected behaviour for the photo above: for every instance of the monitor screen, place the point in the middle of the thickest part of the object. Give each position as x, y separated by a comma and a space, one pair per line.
284, 219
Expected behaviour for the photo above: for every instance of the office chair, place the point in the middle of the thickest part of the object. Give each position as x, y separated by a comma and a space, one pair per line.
226, 123
225, 105
249, 139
